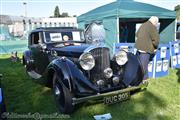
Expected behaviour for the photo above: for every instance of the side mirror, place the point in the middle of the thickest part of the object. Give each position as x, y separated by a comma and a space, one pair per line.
43, 47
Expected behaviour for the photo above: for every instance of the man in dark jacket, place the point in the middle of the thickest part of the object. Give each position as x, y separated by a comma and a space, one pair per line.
147, 42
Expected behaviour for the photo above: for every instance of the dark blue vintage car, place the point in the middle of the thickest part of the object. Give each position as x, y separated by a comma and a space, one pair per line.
79, 70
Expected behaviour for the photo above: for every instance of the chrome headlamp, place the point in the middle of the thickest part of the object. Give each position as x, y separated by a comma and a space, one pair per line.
121, 57
87, 61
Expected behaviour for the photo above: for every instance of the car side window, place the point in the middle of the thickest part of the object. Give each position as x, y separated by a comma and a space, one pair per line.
36, 38
178, 28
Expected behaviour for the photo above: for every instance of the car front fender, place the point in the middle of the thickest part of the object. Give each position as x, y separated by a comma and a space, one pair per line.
133, 71
72, 77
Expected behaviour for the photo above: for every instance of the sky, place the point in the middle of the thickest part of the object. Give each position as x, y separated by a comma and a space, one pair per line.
45, 8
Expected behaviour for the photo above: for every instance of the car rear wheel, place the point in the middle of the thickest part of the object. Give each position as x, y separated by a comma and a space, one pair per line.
62, 95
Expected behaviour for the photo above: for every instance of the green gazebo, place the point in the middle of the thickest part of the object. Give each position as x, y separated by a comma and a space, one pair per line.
131, 13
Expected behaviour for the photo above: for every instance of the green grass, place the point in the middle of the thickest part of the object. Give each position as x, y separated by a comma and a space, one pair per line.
161, 101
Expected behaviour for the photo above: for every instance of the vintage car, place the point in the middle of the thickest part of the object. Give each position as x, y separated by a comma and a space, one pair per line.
79, 70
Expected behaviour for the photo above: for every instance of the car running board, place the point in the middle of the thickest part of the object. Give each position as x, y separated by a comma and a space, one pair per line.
34, 74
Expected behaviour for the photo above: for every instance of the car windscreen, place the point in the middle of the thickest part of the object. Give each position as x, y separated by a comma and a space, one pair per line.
51, 36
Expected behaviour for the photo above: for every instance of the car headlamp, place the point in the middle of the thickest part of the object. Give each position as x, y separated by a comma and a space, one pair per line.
121, 57
87, 61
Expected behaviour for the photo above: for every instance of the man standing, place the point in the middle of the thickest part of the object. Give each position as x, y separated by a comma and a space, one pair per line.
147, 42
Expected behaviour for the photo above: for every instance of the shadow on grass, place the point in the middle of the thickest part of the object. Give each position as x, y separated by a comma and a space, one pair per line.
178, 74
22, 94
141, 108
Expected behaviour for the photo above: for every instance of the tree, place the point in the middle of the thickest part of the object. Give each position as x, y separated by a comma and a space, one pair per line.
56, 12
64, 14
177, 9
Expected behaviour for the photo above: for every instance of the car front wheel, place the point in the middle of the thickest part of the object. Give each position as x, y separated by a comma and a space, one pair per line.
27, 65
62, 95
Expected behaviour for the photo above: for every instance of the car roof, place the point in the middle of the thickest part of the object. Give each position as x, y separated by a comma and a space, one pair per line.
55, 29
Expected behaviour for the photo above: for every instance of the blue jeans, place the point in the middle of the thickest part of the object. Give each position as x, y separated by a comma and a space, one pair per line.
145, 59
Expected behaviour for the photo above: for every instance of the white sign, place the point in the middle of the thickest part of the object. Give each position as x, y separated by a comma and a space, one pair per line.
158, 66
174, 60
176, 48
150, 67
163, 52
76, 36
165, 65
55, 37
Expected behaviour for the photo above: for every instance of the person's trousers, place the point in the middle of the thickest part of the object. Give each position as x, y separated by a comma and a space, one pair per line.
145, 59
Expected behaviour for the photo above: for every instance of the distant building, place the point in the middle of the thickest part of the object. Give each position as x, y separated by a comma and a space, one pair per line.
65, 22
20, 26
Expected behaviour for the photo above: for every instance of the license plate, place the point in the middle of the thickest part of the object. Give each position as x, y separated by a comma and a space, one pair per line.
116, 98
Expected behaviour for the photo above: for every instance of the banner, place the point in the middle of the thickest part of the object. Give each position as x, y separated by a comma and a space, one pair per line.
162, 60
175, 54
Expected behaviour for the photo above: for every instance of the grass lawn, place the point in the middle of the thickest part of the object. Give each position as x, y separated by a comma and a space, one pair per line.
161, 101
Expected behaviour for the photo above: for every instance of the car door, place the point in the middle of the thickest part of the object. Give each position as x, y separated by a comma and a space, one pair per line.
39, 56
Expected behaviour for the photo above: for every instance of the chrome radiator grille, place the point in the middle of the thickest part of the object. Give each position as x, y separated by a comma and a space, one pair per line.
102, 61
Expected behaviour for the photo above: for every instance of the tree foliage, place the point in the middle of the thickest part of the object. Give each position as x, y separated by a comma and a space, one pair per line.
56, 12
64, 14
177, 9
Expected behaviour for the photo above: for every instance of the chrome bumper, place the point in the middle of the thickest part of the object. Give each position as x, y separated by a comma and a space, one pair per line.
143, 85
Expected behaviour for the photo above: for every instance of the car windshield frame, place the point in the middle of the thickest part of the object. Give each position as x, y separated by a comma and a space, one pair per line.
82, 36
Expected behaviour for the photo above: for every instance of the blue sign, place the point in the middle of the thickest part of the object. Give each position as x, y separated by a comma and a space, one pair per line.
0, 95
162, 60
175, 54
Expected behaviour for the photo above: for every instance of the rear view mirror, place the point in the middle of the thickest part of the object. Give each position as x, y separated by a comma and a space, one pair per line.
43, 46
